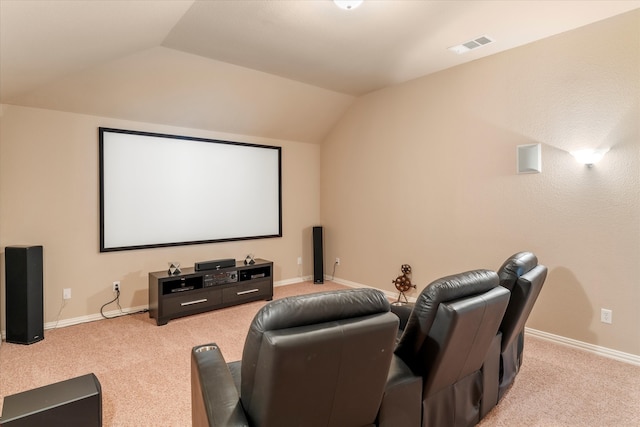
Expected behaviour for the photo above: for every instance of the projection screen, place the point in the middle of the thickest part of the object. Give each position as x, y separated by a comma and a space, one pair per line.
167, 190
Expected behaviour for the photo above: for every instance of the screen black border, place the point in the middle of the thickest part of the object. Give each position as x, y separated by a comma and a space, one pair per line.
101, 132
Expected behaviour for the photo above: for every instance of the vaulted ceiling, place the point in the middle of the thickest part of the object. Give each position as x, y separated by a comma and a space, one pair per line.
274, 69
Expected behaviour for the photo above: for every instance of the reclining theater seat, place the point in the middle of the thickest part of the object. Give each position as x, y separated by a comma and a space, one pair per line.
524, 277
445, 342
311, 360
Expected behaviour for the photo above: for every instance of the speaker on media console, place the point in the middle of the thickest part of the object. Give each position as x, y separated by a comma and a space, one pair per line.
23, 294
318, 256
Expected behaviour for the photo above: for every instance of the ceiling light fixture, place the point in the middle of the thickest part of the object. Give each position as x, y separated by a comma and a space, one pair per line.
347, 4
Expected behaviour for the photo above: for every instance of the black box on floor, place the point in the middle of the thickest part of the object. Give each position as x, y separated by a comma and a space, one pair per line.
72, 403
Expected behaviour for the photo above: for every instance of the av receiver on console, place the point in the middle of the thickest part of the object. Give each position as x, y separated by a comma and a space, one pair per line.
220, 278
215, 264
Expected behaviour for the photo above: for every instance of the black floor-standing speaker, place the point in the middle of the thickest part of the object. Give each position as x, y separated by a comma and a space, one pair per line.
23, 294
318, 256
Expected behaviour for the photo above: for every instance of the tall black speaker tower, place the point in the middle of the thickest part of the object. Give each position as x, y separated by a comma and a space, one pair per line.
318, 256
23, 294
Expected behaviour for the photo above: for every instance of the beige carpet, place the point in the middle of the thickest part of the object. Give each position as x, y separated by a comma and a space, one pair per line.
145, 376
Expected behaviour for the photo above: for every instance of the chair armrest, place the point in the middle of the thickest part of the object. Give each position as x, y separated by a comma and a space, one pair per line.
402, 399
214, 398
491, 376
402, 311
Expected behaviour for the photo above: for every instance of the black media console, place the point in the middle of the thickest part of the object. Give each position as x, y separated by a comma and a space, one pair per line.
192, 292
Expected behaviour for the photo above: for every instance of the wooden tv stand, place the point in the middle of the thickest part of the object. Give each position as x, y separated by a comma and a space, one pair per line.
193, 292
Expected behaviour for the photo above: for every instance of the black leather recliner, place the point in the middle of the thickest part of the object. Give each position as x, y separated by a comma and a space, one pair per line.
309, 360
441, 351
524, 277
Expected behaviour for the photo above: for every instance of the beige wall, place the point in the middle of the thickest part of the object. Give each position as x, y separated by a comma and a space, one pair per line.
49, 195
421, 173
424, 173
161, 85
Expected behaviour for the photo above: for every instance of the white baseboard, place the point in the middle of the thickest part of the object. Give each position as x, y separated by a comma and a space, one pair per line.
591, 348
93, 317
292, 281
602, 351
115, 313
89, 318
391, 295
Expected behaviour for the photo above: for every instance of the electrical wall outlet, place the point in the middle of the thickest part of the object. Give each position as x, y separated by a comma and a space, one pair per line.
606, 315
66, 293
299, 260
116, 286
337, 261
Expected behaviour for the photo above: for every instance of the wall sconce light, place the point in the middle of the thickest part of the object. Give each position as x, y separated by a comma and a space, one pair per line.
589, 157
347, 4
529, 158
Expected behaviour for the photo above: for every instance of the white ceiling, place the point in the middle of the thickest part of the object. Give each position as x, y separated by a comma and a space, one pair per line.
376, 45
52, 51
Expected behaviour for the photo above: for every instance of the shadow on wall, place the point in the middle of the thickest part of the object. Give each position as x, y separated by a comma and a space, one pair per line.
563, 307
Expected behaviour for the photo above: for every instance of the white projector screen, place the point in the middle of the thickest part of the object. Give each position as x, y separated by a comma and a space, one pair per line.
166, 190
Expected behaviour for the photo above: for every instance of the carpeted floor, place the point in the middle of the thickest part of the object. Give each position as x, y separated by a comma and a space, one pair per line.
562, 386
144, 370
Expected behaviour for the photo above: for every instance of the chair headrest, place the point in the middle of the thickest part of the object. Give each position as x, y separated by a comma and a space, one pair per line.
302, 310
515, 266
316, 358
426, 307
524, 294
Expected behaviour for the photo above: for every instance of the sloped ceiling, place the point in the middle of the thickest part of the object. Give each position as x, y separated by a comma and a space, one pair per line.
274, 69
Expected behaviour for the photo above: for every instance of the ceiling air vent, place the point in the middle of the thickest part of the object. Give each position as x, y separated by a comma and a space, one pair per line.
471, 44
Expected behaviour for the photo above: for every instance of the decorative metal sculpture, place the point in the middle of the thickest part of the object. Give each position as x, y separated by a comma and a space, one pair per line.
174, 267
403, 284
